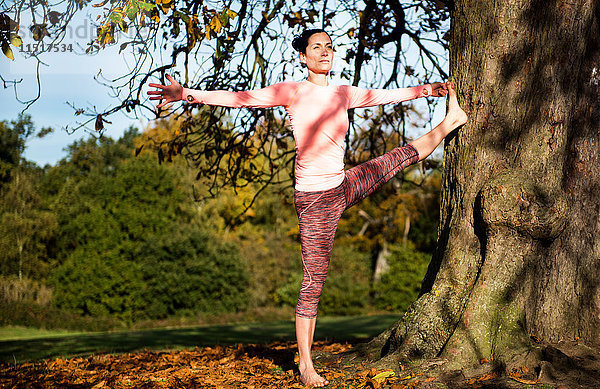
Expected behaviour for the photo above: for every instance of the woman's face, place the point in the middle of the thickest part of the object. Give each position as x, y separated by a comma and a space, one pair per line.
319, 53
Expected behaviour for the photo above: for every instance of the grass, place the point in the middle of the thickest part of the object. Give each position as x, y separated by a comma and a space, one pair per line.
22, 344
19, 332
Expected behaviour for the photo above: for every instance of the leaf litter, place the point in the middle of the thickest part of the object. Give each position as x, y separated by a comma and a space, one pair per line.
247, 366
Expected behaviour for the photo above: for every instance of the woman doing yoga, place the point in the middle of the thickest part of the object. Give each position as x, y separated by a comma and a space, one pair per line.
323, 190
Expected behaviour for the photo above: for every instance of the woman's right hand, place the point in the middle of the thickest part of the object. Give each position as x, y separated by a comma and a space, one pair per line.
170, 93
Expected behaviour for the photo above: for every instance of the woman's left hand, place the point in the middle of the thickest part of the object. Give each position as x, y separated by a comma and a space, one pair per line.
439, 89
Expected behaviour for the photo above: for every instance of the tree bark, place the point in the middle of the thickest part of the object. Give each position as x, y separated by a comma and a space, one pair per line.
518, 247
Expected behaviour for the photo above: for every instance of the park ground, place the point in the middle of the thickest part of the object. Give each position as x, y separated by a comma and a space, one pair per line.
220, 356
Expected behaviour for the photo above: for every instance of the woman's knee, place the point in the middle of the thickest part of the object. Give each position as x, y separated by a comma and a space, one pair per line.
307, 305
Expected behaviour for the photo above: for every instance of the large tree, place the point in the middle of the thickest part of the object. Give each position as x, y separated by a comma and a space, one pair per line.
518, 252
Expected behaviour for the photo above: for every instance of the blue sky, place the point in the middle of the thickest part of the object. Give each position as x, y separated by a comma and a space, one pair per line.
67, 77
51, 110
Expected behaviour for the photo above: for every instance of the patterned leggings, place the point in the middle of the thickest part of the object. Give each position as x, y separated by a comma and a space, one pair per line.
319, 213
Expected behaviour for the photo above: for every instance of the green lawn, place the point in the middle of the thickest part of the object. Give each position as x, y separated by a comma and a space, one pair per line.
19, 333
21, 344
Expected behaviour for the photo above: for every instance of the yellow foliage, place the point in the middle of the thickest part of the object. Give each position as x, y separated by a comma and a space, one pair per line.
381, 377
161, 132
214, 26
15, 40
8, 51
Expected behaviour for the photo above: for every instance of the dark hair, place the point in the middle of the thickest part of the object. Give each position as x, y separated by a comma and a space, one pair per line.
300, 41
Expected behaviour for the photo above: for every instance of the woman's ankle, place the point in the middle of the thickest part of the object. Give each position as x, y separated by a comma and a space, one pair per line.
303, 365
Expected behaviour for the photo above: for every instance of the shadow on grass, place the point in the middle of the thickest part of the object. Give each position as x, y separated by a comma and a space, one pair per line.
330, 328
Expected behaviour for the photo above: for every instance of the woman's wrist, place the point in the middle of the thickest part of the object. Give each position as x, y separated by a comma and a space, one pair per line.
189, 95
427, 90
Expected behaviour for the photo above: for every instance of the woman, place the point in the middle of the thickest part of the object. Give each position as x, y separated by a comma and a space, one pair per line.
323, 190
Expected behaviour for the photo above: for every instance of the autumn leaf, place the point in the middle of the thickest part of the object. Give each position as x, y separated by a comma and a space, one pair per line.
219, 366
7, 51
381, 377
15, 40
54, 17
484, 377
39, 31
99, 123
214, 26
231, 14
100, 4
370, 384
523, 381
154, 16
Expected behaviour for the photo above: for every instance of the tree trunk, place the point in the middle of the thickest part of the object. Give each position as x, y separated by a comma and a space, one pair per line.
381, 264
518, 248
20, 259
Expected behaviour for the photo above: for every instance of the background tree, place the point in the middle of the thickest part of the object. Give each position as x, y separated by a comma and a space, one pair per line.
25, 221
130, 244
519, 232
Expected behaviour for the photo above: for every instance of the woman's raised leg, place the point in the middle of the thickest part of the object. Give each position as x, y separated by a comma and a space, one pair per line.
455, 117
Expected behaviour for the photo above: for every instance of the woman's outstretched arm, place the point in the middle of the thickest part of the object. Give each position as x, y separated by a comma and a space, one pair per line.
360, 97
279, 94
455, 117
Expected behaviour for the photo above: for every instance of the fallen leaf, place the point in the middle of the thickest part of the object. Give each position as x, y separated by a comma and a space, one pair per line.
381, 377
523, 381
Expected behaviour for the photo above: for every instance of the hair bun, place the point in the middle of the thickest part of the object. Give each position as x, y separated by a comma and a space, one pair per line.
296, 45
300, 41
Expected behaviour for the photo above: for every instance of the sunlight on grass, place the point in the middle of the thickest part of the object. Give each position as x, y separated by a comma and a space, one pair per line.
18, 333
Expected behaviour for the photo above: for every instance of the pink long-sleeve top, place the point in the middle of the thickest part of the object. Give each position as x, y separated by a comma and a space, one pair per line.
319, 120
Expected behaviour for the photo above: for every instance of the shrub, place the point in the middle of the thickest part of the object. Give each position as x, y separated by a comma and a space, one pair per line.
175, 274
400, 285
129, 247
13, 289
189, 272
28, 314
98, 284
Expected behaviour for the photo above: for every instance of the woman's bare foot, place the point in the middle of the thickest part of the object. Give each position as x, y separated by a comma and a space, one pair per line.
455, 115
309, 376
